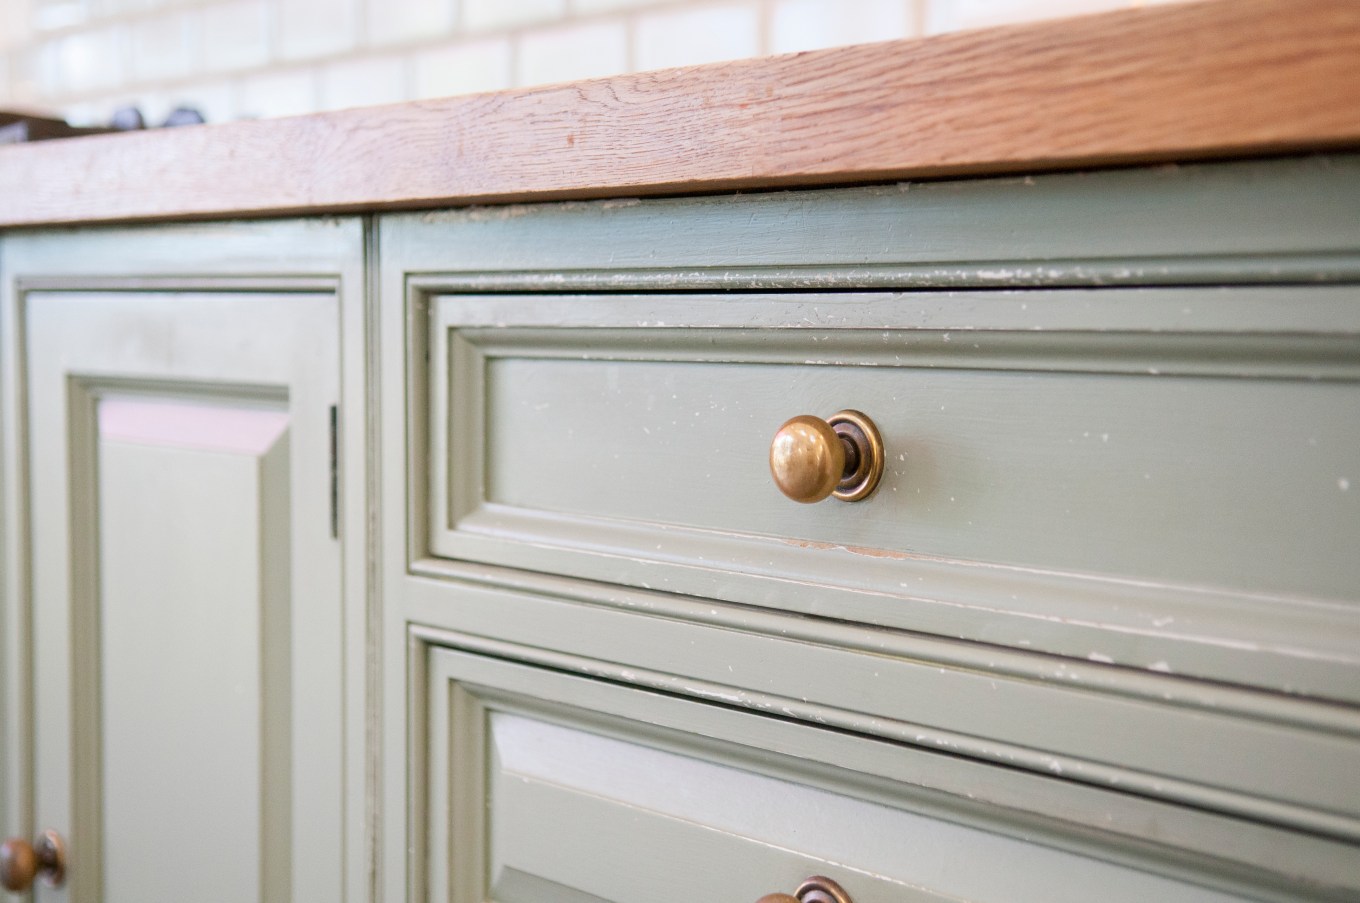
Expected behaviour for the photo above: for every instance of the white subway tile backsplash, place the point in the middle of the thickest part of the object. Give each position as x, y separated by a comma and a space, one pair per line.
161, 48
956, 15
313, 28
155, 106
573, 52
55, 15
590, 7
489, 15
125, 7
214, 99
88, 61
290, 56
234, 35
363, 83
685, 37
390, 21
89, 113
277, 94
16, 25
38, 67
463, 68
813, 24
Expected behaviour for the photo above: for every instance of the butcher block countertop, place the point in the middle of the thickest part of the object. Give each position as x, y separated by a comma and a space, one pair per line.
1183, 81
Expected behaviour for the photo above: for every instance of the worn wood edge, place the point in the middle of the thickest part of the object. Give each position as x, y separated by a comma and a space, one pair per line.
1186, 81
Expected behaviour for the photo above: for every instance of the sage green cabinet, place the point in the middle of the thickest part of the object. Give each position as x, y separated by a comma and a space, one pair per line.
1095, 634
550, 786
1133, 461
178, 581
434, 556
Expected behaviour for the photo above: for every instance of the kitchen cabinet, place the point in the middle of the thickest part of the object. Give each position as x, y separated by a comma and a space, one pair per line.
436, 556
176, 558
1093, 634
431, 552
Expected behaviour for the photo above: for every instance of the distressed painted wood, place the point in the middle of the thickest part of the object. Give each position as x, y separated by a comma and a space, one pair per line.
1176, 82
1161, 453
725, 804
197, 715
194, 653
156, 510
1292, 220
941, 728
534, 342
622, 437
1158, 737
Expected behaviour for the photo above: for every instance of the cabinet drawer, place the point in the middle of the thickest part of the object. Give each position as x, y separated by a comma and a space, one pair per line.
1153, 477
543, 786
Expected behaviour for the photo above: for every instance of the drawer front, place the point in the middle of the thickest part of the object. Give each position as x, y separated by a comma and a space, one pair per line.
542, 786
1154, 477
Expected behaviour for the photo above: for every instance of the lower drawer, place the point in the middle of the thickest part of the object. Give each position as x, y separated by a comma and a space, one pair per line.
542, 786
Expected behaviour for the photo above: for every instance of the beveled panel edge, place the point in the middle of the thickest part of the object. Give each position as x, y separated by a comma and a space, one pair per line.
1174, 82
1273, 312
1133, 681
1300, 355
631, 704
1083, 617
1282, 269
1132, 622
970, 712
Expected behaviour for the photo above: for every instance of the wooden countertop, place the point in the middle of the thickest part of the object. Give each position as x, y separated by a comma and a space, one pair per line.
1217, 78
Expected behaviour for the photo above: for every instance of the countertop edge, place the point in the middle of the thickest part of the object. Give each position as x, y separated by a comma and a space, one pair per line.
1185, 81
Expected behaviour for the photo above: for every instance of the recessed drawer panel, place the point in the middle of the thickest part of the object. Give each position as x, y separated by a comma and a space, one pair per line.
545, 787
1158, 477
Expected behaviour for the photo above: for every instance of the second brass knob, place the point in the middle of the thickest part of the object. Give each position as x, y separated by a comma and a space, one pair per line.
21, 862
811, 458
817, 889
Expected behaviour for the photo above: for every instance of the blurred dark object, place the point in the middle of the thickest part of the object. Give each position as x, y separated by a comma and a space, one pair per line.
16, 128
183, 116
127, 119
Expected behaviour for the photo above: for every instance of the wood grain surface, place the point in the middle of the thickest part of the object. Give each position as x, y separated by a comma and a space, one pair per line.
1195, 80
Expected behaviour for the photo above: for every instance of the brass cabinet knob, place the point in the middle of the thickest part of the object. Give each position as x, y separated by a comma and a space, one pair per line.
816, 889
811, 458
20, 863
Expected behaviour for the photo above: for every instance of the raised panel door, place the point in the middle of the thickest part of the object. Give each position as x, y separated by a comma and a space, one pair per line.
186, 593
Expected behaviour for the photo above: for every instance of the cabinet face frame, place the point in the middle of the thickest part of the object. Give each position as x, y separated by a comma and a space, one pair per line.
326, 256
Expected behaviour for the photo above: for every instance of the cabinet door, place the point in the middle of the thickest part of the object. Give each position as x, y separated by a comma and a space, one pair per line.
185, 591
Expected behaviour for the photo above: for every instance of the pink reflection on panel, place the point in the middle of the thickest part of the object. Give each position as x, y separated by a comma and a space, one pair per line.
206, 427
